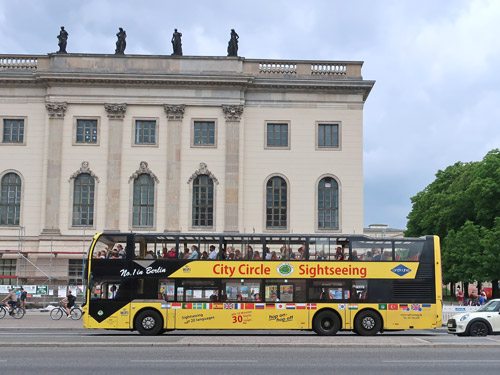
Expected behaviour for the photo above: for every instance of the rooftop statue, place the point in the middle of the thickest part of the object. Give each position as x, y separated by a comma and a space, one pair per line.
121, 43
176, 43
232, 48
63, 40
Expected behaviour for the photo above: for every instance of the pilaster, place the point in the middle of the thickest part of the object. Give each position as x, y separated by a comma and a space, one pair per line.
175, 114
56, 112
116, 113
233, 115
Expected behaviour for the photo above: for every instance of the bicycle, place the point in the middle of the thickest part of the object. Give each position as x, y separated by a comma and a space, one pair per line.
58, 312
17, 312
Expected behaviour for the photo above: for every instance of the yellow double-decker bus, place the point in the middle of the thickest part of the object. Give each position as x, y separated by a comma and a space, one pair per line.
153, 283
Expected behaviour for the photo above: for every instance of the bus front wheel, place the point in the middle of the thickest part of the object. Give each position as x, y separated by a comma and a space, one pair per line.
149, 322
326, 323
368, 323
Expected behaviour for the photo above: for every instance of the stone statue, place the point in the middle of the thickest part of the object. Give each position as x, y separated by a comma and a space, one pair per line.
63, 40
232, 47
121, 43
176, 43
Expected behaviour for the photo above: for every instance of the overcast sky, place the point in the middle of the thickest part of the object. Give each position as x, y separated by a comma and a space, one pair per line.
436, 100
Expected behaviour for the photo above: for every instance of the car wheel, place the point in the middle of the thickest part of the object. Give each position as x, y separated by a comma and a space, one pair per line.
478, 329
326, 323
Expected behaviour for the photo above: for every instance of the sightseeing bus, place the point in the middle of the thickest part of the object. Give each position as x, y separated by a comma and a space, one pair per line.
154, 283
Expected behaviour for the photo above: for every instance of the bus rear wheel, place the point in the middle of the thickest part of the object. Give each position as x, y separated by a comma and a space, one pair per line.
326, 323
149, 323
367, 323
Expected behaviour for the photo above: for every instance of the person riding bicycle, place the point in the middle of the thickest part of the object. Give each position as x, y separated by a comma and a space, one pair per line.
11, 300
69, 302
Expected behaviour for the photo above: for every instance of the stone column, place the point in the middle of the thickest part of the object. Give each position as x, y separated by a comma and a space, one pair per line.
116, 113
232, 114
175, 114
54, 156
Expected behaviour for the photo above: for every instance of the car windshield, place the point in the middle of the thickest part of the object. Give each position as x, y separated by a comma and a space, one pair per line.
490, 306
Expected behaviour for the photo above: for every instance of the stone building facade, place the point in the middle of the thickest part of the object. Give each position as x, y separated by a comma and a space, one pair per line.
95, 143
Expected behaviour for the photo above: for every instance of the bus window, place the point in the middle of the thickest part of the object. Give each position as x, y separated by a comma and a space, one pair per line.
372, 250
285, 290
107, 245
324, 248
166, 290
245, 289
359, 290
327, 290
408, 250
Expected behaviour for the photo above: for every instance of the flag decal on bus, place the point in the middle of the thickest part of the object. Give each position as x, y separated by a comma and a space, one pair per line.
401, 270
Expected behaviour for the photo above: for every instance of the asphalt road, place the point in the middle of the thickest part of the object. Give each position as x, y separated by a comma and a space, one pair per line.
248, 360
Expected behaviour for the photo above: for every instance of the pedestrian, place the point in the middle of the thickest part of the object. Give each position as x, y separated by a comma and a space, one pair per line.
22, 298
460, 296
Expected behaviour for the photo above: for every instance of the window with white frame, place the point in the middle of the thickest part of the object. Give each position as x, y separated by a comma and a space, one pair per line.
8, 271
75, 272
328, 135
86, 131
203, 202
13, 131
145, 132
276, 203
204, 133
277, 135
143, 201
10, 199
83, 200
328, 203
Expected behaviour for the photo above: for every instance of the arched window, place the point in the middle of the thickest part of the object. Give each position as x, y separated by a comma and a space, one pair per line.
144, 201
203, 201
276, 203
83, 200
10, 199
328, 204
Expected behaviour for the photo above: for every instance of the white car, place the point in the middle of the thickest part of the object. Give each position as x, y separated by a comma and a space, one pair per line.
482, 322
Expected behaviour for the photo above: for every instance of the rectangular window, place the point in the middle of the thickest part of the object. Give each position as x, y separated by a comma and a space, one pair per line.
13, 131
328, 135
75, 272
86, 131
8, 268
145, 132
204, 133
277, 135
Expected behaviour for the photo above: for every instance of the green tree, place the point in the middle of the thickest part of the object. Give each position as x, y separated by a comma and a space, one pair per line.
462, 207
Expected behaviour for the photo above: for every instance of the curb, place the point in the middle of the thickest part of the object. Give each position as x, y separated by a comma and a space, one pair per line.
249, 345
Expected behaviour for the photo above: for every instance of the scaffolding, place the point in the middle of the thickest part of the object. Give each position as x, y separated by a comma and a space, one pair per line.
46, 262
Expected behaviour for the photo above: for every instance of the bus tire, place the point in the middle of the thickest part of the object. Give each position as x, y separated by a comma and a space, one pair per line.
326, 323
149, 322
368, 323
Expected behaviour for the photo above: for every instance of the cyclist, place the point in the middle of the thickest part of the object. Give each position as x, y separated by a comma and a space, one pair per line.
11, 300
69, 302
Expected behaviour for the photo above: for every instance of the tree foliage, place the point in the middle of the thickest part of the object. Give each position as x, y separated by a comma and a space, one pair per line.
462, 207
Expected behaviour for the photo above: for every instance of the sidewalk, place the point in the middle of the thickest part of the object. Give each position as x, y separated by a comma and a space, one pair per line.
39, 319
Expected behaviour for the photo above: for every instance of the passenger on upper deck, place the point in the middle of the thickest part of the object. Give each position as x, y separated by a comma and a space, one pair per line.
204, 255
237, 254
376, 254
164, 253
301, 253
274, 256
257, 256
230, 253
339, 255
354, 255
213, 253
249, 252
171, 253
195, 253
